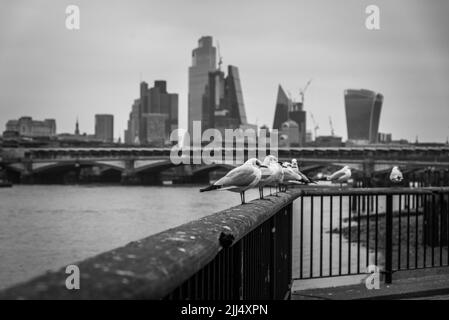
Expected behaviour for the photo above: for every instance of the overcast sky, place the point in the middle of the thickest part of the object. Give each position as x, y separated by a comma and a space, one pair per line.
47, 71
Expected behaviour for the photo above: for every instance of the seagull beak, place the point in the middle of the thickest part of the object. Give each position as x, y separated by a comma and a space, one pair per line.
263, 166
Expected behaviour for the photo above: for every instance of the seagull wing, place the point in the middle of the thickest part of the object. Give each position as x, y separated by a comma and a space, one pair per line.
241, 176
336, 175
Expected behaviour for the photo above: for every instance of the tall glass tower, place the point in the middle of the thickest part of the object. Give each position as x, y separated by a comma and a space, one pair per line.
363, 115
203, 62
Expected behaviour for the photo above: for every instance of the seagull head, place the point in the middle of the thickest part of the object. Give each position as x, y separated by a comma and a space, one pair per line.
255, 163
270, 159
287, 165
294, 162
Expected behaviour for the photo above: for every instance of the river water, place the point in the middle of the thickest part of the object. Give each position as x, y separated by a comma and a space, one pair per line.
47, 227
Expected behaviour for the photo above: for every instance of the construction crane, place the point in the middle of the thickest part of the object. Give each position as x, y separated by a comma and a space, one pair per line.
332, 127
315, 125
303, 91
220, 58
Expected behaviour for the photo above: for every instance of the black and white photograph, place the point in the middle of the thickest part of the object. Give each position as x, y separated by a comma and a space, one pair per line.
220, 156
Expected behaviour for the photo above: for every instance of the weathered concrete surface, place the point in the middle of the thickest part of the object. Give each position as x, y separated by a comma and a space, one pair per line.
153, 267
419, 284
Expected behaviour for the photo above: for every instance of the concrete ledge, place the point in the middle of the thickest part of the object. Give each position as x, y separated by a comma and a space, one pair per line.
153, 267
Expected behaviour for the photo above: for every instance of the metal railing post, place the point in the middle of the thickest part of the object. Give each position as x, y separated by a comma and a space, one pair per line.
389, 239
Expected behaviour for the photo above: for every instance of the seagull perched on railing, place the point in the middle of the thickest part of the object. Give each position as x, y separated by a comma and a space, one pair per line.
271, 175
305, 178
239, 179
396, 175
341, 176
290, 176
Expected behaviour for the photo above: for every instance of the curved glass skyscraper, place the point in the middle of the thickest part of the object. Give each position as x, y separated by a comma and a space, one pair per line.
363, 109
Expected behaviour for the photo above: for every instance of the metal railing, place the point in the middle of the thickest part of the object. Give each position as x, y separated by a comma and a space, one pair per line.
258, 266
342, 232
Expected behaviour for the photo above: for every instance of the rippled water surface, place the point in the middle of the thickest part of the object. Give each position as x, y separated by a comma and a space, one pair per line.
47, 227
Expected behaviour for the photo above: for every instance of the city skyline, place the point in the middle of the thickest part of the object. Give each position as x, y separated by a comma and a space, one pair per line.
70, 74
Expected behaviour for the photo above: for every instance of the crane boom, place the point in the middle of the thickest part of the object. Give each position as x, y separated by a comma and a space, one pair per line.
315, 125
303, 91
332, 126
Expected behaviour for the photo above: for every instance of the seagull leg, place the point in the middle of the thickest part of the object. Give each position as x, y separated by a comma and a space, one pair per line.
241, 198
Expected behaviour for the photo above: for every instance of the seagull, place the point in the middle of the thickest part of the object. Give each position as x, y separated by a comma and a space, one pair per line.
239, 179
340, 176
304, 177
396, 175
290, 176
271, 175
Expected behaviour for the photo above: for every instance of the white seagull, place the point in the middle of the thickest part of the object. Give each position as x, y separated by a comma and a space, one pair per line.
239, 179
304, 177
396, 175
290, 176
271, 175
341, 176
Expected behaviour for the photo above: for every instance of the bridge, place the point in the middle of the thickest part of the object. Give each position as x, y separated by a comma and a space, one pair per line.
278, 248
153, 165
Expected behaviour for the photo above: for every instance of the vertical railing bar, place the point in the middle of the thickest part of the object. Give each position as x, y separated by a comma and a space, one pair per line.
349, 235
340, 235
301, 240
440, 219
424, 230
368, 208
432, 231
358, 233
408, 231
330, 233
389, 238
376, 234
311, 236
399, 231
321, 236
447, 227
416, 229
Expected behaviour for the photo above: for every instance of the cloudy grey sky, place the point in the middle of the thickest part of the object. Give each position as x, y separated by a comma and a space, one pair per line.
47, 71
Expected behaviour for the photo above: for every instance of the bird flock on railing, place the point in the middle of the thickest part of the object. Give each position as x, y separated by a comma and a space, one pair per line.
279, 175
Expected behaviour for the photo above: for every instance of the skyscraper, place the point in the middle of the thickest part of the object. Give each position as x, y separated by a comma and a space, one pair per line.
288, 110
104, 127
223, 106
203, 62
153, 116
363, 109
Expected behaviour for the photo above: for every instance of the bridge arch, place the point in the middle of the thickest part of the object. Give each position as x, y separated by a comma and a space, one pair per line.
76, 171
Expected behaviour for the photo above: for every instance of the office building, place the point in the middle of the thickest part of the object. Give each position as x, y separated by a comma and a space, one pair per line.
27, 127
203, 62
153, 105
222, 102
289, 134
286, 110
363, 109
104, 127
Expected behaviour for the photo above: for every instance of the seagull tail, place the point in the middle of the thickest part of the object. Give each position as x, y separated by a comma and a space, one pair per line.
210, 188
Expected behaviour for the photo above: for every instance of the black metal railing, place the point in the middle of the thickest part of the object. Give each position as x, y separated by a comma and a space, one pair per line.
342, 232
258, 266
